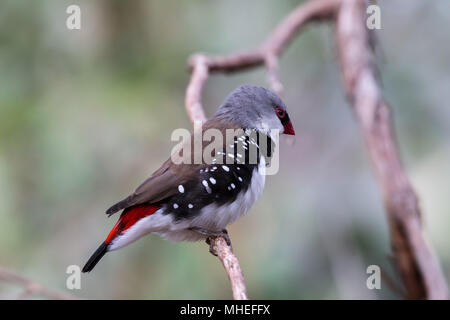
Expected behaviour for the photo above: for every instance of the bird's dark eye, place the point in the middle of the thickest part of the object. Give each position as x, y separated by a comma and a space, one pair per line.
281, 113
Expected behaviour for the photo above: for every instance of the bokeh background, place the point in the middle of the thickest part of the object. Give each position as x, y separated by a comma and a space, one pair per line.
86, 115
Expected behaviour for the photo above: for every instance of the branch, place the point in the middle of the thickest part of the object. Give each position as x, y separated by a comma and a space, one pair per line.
418, 265
31, 287
231, 264
268, 53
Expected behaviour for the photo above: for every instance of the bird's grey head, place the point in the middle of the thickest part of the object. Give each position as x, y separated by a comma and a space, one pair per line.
254, 107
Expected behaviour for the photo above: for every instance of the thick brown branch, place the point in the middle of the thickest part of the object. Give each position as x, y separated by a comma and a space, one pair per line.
417, 264
31, 287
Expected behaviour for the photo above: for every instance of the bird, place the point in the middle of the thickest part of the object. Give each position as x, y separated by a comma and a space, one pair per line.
197, 201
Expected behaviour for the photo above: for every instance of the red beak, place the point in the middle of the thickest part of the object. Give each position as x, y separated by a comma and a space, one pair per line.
289, 129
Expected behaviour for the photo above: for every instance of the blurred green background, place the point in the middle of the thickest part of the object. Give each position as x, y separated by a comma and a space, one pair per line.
86, 115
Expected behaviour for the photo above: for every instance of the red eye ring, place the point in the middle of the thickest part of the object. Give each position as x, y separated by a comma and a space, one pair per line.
281, 113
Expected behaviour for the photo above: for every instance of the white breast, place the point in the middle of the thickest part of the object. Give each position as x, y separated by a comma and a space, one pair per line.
215, 217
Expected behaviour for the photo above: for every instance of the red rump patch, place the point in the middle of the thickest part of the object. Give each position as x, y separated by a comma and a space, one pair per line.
129, 217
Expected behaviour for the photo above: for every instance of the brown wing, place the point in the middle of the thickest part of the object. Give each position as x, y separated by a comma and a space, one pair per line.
162, 184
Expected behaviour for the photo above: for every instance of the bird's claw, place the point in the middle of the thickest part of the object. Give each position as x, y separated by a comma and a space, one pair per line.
211, 246
213, 234
227, 237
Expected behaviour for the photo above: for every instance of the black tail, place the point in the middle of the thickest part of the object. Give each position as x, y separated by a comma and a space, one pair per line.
95, 258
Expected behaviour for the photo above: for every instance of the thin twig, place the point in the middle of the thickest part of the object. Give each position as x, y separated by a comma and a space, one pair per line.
231, 265
31, 287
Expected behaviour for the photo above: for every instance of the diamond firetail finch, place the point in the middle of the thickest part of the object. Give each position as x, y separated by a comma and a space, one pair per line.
190, 202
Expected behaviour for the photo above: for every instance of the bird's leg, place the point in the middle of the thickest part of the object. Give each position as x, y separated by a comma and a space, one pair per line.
209, 234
